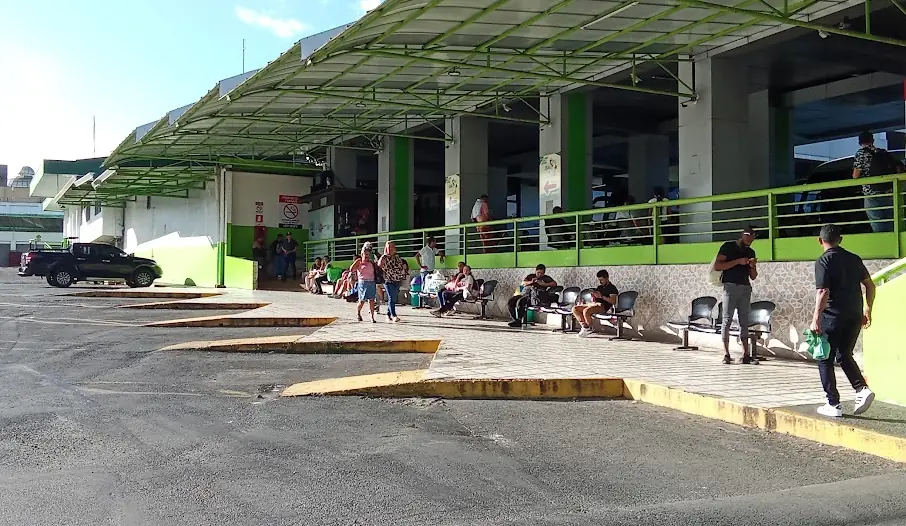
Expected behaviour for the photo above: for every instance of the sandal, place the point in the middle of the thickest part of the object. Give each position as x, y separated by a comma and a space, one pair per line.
359, 316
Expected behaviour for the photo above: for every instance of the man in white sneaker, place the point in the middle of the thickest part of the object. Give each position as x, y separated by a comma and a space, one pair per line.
605, 297
840, 315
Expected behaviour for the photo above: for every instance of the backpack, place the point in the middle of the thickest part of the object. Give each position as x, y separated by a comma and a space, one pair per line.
715, 276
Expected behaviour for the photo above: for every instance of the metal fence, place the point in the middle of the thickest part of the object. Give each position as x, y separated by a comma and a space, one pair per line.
790, 212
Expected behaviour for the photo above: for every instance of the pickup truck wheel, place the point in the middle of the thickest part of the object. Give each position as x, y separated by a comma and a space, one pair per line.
143, 278
50, 279
62, 277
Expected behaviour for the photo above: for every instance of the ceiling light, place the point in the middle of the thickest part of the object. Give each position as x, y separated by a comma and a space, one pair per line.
823, 34
360, 105
454, 72
610, 14
506, 108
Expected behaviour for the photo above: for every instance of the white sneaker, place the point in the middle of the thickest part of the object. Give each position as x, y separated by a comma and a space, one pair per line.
583, 333
864, 398
832, 411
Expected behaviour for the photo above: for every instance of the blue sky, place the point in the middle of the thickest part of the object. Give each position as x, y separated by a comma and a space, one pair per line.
129, 62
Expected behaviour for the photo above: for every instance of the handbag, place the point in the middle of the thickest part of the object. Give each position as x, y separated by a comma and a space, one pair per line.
816, 345
378, 274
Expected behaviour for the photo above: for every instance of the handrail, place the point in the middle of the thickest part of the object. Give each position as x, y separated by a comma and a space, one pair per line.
885, 274
765, 193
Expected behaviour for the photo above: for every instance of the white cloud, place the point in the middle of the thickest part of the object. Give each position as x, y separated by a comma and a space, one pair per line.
368, 5
282, 27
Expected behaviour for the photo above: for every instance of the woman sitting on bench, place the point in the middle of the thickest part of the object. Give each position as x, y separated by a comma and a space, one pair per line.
463, 289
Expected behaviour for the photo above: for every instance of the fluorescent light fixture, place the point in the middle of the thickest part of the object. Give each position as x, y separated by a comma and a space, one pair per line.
87, 178
454, 72
610, 14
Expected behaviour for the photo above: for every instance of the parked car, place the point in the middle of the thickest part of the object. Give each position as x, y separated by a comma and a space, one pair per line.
832, 205
86, 261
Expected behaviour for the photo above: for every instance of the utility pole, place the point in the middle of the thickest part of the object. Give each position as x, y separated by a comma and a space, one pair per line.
243, 56
94, 135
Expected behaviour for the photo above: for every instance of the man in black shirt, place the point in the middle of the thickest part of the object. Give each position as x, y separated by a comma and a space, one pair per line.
275, 254
534, 293
840, 314
605, 297
736, 261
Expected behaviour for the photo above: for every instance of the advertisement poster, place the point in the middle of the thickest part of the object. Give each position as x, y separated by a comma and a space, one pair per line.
290, 212
549, 171
321, 223
451, 193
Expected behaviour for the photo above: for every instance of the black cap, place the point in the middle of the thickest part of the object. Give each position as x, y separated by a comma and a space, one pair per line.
750, 231
866, 137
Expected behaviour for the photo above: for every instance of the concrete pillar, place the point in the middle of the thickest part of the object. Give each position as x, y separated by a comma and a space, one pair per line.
344, 164
566, 152
497, 192
465, 173
771, 158
649, 165
713, 138
396, 169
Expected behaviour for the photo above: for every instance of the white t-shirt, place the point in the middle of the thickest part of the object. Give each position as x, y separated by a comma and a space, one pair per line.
427, 256
663, 210
470, 281
476, 209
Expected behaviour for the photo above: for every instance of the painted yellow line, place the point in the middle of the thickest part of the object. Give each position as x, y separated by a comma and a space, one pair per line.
239, 321
297, 344
836, 433
128, 293
197, 305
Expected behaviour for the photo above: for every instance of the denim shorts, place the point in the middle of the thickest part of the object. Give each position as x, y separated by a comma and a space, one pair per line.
367, 290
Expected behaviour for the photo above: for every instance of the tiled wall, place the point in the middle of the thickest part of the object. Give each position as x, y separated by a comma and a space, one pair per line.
666, 292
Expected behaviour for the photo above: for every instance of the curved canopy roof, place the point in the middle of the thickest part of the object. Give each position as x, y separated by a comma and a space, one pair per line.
412, 62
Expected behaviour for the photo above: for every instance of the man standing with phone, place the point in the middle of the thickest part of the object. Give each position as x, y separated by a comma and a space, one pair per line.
840, 315
737, 262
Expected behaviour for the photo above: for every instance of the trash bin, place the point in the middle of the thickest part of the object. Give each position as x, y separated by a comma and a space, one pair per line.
530, 316
414, 289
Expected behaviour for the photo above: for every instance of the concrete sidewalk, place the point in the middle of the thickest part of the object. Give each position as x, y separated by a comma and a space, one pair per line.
483, 349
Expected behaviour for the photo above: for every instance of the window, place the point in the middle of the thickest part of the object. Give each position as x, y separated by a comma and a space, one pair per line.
97, 209
148, 203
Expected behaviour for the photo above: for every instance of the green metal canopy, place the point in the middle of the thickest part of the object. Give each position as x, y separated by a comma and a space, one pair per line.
412, 63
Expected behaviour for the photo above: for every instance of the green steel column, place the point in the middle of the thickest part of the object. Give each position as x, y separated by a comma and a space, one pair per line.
577, 180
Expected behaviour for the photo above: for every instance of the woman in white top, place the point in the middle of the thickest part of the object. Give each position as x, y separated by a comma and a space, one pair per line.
464, 289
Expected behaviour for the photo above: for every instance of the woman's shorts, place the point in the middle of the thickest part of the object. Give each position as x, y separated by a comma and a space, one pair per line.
367, 290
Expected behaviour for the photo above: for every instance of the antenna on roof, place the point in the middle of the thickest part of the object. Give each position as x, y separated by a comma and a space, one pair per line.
94, 135
243, 56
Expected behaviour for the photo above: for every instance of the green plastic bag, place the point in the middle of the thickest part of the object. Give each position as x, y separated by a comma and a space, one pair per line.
818, 346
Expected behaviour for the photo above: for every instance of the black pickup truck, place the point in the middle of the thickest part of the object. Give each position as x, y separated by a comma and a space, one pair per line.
85, 261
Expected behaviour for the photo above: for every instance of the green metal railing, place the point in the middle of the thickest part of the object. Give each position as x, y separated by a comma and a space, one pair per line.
665, 232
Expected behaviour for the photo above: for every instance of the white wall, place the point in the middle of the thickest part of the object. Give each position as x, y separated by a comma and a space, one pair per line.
249, 188
195, 217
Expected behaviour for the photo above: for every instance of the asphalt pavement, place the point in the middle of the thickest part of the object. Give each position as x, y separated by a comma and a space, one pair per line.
98, 427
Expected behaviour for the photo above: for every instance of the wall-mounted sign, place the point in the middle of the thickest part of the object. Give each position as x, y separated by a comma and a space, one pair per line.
451, 193
259, 213
549, 171
290, 213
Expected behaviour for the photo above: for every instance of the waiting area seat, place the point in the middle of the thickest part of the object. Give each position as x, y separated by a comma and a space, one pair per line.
564, 308
622, 312
701, 318
485, 295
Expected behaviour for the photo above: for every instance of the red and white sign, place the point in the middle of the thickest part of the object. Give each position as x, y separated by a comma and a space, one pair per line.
289, 211
259, 213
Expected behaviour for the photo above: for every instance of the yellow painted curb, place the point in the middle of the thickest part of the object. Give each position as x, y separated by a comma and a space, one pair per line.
409, 384
299, 345
196, 305
353, 384
824, 431
126, 293
237, 321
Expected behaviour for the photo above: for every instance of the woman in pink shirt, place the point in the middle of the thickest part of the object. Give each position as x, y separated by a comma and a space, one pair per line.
366, 287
